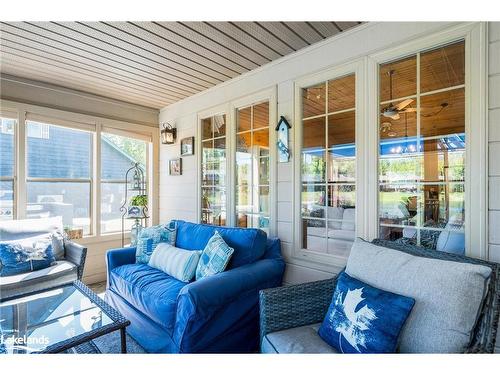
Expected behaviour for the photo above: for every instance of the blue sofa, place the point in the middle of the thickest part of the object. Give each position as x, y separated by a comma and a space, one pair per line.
217, 314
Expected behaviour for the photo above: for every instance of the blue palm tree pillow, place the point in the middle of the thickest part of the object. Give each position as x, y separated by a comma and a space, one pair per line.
364, 319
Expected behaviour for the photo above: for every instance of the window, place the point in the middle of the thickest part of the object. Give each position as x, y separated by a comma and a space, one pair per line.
252, 166
328, 166
7, 166
213, 170
118, 154
59, 174
422, 147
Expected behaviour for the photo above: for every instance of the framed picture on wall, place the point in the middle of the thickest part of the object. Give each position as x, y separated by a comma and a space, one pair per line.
187, 146
175, 167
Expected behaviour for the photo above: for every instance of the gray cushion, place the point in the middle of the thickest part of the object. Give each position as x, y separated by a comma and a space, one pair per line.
447, 295
303, 339
62, 272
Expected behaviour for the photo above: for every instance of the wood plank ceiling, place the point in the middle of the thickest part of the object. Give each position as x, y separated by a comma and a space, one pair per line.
150, 63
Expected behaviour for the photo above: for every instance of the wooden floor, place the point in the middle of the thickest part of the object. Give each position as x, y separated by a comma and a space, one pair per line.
98, 288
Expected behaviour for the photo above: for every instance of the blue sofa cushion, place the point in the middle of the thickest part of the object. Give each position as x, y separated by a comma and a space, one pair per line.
249, 244
149, 290
364, 319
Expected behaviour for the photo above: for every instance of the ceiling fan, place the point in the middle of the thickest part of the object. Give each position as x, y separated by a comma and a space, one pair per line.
392, 111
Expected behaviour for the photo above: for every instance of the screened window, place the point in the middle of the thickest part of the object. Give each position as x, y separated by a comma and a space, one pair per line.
328, 166
7, 167
213, 170
422, 149
252, 166
118, 154
59, 174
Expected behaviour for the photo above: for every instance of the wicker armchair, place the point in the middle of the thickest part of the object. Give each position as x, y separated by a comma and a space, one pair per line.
299, 305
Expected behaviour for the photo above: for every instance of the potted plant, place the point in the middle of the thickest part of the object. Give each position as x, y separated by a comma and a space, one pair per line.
139, 200
137, 205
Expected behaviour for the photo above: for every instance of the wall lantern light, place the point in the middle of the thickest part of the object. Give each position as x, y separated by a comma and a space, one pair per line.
168, 134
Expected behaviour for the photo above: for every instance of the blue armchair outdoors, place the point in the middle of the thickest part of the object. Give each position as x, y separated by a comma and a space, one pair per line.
217, 314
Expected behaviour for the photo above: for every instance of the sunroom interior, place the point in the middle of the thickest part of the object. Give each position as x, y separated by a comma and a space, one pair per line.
393, 134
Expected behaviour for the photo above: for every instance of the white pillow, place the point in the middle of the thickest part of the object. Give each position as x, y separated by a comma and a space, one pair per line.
178, 263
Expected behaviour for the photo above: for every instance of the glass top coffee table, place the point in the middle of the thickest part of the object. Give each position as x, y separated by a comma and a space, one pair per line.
56, 320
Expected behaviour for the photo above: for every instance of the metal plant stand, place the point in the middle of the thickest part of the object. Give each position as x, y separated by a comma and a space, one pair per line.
135, 185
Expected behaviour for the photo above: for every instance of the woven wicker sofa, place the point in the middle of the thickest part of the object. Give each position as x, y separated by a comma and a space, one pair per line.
68, 268
288, 308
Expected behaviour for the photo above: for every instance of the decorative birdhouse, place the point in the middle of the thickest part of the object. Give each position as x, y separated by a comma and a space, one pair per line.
282, 129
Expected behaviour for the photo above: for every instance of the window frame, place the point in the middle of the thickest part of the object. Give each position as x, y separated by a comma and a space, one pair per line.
269, 95
230, 110
367, 138
476, 215
92, 172
30, 112
355, 67
418, 97
214, 111
147, 172
13, 115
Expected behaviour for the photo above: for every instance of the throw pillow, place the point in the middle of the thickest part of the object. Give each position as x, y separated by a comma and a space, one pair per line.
57, 239
26, 255
178, 263
364, 319
214, 258
150, 237
448, 294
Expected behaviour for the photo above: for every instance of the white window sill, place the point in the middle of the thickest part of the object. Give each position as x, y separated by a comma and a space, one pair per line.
102, 238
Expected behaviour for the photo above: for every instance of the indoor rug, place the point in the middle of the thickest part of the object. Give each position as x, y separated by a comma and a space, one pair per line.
107, 344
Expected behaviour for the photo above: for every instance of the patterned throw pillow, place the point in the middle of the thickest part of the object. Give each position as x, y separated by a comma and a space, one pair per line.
214, 258
176, 262
150, 237
364, 319
27, 255
57, 238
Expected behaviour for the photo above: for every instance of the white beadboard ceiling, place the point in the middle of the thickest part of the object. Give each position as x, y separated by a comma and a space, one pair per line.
153, 64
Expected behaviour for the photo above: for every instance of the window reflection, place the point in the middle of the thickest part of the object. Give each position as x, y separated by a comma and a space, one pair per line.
213, 170
328, 198
252, 167
422, 150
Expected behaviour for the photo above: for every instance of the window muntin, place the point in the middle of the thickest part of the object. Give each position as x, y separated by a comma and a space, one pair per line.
7, 167
59, 174
422, 153
213, 170
118, 154
252, 167
328, 166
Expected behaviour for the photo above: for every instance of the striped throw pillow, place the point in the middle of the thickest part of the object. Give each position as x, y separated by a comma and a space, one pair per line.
178, 263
